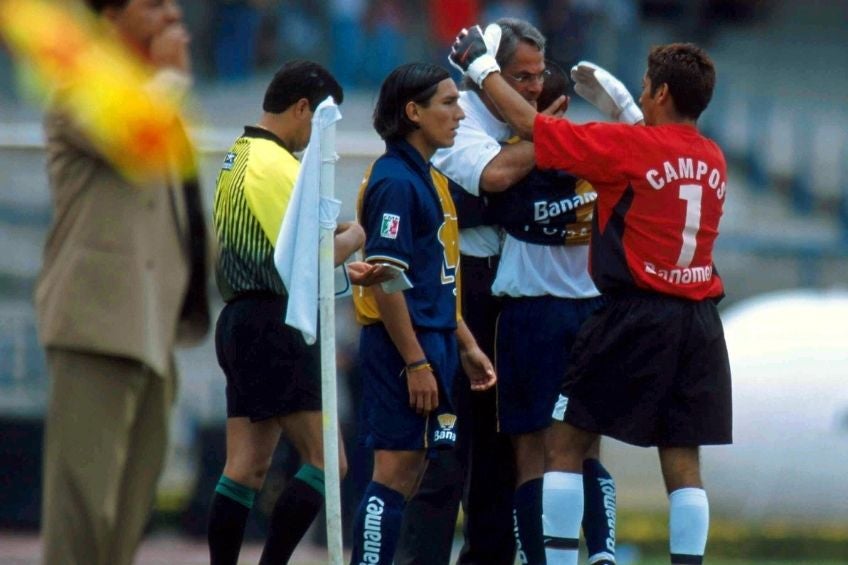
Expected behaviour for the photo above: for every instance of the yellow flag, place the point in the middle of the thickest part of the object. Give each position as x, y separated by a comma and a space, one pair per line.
100, 83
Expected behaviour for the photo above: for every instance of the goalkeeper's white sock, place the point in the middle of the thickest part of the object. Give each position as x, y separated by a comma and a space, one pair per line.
688, 525
562, 511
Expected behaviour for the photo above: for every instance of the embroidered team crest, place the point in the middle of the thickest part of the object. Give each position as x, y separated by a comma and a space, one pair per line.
390, 226
229, 161
446, 421
446, 432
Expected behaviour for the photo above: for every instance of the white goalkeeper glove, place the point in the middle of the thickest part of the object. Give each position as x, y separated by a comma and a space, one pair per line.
605, 92
474, 52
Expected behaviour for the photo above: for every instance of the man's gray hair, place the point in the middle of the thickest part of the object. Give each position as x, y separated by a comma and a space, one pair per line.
513, 33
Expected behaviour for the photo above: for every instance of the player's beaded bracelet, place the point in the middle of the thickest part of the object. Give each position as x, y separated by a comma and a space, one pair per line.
420, 365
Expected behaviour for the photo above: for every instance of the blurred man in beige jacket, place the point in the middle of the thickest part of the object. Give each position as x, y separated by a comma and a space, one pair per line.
124, 280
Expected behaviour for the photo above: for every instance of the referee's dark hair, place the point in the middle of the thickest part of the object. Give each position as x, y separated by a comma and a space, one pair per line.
413, 82
298, 79
100, 5
689, 73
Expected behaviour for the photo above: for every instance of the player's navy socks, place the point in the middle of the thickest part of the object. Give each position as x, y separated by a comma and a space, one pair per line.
377, 525
228, 512
562, 506
527, 513
598, 513
294, 512
688, 525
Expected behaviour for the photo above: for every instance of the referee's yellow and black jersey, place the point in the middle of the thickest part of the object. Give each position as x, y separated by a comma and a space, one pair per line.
252, 193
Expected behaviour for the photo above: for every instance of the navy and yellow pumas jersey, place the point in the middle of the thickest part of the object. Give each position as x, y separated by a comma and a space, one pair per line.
409, 218
252, 193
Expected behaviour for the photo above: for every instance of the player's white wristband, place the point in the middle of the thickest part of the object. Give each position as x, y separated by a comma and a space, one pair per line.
481, 67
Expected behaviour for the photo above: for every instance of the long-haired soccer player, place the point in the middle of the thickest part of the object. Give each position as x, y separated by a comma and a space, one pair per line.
412, 339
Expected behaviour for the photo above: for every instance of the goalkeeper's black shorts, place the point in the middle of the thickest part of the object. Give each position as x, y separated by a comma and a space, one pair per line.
650, 369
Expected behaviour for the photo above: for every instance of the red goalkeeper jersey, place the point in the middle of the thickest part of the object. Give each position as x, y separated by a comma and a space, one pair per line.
660, 196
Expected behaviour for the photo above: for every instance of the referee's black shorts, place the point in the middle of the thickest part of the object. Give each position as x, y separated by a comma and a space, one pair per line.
651, 369
269, 368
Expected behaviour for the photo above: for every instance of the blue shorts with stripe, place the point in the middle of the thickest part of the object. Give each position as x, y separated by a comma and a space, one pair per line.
386, 420
535, 335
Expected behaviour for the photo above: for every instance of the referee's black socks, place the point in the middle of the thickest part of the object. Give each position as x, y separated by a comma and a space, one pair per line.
293, 513
230, 506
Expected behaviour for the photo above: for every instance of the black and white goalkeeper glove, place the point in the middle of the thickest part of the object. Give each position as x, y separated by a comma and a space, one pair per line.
605, 92
474, 52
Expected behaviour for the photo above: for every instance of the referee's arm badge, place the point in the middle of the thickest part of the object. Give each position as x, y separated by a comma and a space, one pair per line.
229, 161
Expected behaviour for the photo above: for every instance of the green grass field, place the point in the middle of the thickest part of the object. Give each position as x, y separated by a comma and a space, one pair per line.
735, 542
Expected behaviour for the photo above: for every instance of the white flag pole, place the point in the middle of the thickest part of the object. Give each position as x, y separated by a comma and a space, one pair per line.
329, 394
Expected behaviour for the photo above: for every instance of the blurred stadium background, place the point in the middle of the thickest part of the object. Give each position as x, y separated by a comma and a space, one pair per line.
780, 112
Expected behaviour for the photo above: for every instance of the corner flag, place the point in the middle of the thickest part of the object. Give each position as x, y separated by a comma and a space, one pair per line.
296, 249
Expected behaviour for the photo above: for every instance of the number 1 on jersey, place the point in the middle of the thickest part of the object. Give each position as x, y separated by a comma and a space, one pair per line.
691, 193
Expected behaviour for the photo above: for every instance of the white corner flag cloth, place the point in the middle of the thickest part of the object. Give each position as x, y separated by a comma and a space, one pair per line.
296, 251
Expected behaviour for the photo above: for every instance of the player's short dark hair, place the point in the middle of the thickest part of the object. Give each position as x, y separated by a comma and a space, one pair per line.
556, 84
100, 5
298, 79
415, 82
513, 33
689, 73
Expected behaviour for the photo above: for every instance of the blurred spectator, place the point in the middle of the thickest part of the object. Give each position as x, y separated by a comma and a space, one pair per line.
567, 25
385, 21
519, 9
448, 16
601, 31
445, 18
300, 30
7, 85
346, 20
235, 26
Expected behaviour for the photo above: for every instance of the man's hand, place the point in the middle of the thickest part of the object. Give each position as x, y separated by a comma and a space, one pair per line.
366, 274
474, 52
558, 107
605, 92
423, 390
479, 369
